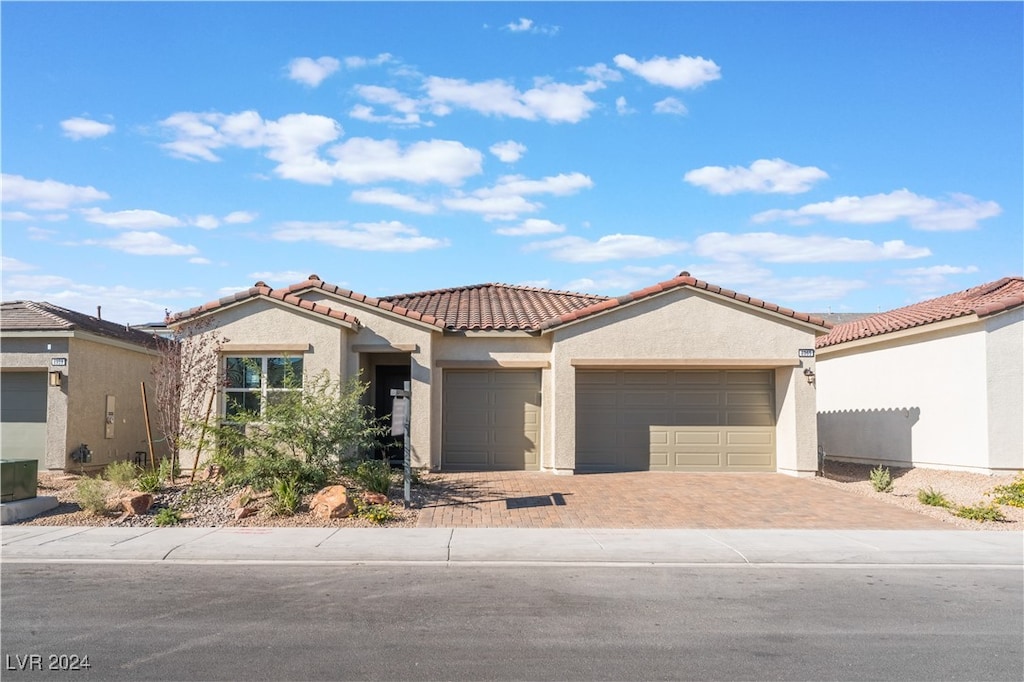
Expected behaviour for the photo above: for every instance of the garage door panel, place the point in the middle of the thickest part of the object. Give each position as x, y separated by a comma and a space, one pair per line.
491, 419
23, 398
717, 420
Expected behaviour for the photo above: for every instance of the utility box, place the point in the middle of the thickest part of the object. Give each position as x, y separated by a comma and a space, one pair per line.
18, 479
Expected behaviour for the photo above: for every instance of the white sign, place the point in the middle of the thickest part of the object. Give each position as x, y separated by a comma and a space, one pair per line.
58, 362
805, 353
399, 416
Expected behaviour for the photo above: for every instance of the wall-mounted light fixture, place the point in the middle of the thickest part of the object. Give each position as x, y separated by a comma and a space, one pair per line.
809, 373
56, 378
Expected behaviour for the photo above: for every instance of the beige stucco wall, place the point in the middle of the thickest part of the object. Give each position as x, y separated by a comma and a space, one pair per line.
1005, 387
273, 325
922, 399
75, 411
686, 326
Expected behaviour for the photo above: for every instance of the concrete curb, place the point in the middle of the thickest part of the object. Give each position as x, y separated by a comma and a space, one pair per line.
515, 545
12, 512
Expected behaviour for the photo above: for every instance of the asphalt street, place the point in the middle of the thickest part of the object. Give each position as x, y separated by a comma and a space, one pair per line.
198, 620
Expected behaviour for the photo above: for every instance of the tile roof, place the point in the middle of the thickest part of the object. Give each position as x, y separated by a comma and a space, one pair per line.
261, 289
987, 299
486, 307
493, 307
682, 280
33, 316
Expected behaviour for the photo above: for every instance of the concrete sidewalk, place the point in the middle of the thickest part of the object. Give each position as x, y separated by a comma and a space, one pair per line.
512, 545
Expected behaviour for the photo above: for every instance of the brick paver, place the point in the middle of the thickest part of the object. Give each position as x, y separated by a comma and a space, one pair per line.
526, 499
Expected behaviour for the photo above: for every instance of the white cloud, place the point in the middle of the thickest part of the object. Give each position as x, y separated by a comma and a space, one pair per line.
46, 195
83, 128
531, 227
240, 217
199, 260
939, 270
671, 106
548, 101
507, 198
312, 72
681, 73
362, 160
356, 62
408, 108
508, 151
120, 303
40, 235
384, 236
962, 212
623, 280
133, 219
574, 249
294, 140
764, 176
780, 248
205, 222
930, 281
389, 197
525, 25
622, 107
282, 277
146, 244
16, 216
14, 265
602, 72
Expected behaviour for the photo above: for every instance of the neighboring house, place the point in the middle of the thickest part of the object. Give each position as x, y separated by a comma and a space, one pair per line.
682, 375
936, 384
70, 379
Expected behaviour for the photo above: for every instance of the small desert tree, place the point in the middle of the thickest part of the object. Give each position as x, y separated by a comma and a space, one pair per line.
322, 422
186, 376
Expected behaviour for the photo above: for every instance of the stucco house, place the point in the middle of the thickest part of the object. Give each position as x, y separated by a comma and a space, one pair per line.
70, 379
682, 375
936, 384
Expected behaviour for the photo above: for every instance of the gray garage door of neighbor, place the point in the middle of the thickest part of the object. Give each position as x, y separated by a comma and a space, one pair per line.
23, 415
491, 419
675, 420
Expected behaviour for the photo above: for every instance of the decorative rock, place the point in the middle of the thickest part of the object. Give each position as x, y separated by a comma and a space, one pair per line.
136, 503
332, 503
374, 498
243, 512
242, 499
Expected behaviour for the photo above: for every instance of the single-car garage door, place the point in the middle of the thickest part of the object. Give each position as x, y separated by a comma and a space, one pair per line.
675, 420
491, 419
23, 415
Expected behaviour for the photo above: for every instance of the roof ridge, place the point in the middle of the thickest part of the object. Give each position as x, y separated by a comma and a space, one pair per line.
484, 285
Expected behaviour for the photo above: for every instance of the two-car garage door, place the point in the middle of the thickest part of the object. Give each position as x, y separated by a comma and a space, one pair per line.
675, 420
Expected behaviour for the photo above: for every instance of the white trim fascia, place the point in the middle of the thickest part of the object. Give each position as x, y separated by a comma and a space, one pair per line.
679, 363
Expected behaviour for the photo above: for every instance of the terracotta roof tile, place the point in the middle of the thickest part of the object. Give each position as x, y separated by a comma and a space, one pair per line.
983, 300
683, 280
261, 289
314, 282
32, 316
498, 307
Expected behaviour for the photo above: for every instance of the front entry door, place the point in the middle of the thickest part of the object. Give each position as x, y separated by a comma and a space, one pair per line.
386, 378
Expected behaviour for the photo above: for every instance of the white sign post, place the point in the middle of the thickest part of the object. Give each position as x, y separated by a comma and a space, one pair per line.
400, 409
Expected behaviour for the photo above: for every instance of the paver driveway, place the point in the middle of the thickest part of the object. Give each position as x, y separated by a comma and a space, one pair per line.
526, 499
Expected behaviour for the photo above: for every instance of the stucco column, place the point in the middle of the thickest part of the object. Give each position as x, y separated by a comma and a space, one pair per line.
562, 406
796, 430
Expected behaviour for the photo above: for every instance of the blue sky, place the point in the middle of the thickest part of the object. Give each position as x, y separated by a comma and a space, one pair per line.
845, 157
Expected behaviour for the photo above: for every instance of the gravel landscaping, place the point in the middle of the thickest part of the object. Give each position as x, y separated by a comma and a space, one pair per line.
959, 487
212, 507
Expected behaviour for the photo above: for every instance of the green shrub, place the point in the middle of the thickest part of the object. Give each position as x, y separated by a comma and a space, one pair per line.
374, 475
286, 497
981, 512
881, 479
1012, 494
149, 481
167, 516
168, 470
122, 473
91, 495
933, 498
377, 513
260, 472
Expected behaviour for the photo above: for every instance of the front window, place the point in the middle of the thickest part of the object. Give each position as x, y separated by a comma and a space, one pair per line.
252, 382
